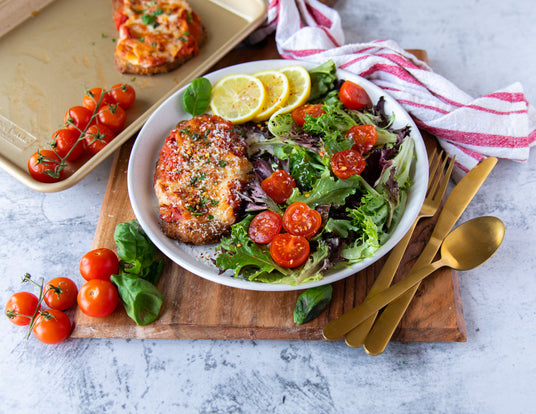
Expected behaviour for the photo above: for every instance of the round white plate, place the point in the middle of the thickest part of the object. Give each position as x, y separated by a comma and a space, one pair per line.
198, 259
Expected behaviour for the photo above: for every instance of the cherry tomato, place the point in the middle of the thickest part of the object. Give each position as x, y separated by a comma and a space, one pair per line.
78, 117
123, 94
99, 264
52, 326
92, 98
113, 116
364, 137
264, 227
298, 114
66, 141
354, 96
60, 293
20, 307
119, 19
347, 163
301, 220
45, 166
97, 136
289, 251
98, 298
279, 185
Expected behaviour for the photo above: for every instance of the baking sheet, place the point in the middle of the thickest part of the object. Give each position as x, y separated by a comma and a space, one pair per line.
50, 59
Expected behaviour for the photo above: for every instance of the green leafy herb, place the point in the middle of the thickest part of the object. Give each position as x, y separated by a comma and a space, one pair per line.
323, 79
311, 303
197, 96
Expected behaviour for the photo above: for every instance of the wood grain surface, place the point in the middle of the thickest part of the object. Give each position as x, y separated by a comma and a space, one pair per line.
196, 308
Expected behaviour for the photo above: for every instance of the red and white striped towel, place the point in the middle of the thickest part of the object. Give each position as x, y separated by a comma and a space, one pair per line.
501, 124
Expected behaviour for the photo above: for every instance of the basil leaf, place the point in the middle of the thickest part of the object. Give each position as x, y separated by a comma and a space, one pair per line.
197, 96
133, 246
311, 303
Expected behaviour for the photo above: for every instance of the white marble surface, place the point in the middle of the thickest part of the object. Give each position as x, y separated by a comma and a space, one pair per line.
480, 45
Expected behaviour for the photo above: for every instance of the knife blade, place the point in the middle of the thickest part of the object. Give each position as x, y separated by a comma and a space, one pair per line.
456, 203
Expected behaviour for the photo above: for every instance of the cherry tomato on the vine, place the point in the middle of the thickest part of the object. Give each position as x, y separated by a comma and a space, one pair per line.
99, 263
113, 116
364, 137
52, 326
354, 96
123, 94
347, 163
98, 298
279, 186
45, 166
289, 251
94, 98
264, 227
301, 220
78, 117
66, 141
60, 293
20, 307
298, 114
97, 136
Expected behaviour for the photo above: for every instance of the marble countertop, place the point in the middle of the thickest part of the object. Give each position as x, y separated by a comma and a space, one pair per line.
480, 46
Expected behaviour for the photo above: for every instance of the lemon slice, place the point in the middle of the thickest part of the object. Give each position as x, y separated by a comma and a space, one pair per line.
277, 89
300, 87
237, 98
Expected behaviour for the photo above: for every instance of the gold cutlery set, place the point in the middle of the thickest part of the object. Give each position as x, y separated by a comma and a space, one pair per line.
466, 247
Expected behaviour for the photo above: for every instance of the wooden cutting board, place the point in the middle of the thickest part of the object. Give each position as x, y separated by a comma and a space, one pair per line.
196, 308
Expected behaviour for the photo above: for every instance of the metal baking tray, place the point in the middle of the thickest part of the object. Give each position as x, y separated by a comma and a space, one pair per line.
50, 59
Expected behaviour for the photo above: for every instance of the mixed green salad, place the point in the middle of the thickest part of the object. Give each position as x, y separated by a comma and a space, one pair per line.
358, 213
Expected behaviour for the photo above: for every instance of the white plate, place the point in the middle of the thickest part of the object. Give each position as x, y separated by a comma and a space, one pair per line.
197, 259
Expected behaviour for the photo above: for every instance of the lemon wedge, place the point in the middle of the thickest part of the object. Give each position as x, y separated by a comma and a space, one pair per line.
238, 98
277, 89
300, 88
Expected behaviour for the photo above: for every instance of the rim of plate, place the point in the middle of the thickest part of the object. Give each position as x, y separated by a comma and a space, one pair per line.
198, 259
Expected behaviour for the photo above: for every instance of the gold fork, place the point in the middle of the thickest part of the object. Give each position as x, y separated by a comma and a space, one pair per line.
437, 185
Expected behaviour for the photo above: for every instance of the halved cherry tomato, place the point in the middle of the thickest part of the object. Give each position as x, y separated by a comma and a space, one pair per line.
52, 326
20, 308
98, 298
99, 263
364, 137
78, 117
113, 116
123, 94
347, 163
60, 293
299, 114
44, 166
354, 96
289, 251
93, 98
301, 220
66, 141
279, 185
97, 136
264, 227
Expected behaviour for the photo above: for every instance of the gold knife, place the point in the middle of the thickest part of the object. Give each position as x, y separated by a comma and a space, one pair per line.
456, 203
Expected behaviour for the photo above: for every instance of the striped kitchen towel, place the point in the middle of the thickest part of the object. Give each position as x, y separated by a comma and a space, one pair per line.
500, 124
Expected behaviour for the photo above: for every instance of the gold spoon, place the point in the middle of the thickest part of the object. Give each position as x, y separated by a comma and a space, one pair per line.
466, 247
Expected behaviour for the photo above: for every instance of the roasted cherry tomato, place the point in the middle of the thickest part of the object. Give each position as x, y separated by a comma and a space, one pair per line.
354, 96
60, 293
20, 308
52, 326
264, 227
97, 136
364, 137
289, 251
113, 116
92, 99
66, 141
44, 166
123, 94
301, 220
299, 114
78, 117
99, 264
347, 163
279, 185
98, 298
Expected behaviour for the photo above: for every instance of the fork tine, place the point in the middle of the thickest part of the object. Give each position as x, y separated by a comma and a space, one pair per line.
445, 178
435, 173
